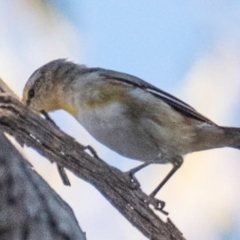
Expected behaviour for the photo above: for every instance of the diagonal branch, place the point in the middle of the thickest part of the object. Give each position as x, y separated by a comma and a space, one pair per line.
30, 129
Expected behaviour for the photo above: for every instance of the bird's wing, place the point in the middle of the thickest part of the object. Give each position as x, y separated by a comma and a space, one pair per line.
174, 102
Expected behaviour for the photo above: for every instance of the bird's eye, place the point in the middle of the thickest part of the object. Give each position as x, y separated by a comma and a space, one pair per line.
31, 93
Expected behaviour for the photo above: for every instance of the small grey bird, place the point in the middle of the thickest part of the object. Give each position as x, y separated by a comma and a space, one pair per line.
127, 114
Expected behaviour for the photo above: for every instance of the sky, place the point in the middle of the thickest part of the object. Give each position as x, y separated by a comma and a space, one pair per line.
188, 48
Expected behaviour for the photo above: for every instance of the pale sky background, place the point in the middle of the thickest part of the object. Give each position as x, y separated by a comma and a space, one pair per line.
188, 48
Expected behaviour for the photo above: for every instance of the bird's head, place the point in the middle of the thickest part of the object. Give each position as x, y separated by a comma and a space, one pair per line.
46, 88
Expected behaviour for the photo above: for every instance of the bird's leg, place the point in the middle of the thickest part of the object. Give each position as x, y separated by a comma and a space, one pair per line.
159, 204
132, 171
61, 170
176, 165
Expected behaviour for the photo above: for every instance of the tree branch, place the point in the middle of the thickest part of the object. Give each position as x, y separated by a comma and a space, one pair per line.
131, 202
29, 208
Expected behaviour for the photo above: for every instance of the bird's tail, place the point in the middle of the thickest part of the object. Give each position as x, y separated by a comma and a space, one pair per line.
232, 136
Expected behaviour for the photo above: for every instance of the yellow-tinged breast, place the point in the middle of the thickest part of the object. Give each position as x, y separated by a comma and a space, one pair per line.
70, 109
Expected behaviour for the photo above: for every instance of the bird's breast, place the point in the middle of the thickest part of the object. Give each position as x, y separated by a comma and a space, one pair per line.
113, 128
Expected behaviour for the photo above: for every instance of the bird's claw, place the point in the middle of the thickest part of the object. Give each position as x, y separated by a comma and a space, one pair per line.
157, 204
134, 182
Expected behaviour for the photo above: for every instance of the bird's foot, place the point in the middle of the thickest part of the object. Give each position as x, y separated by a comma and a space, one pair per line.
157, 204
134, 182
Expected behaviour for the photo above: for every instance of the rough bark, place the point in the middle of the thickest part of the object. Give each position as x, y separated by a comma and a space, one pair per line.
30, 129
29, 208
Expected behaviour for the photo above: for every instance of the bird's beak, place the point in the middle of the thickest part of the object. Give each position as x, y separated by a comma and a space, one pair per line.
25, 101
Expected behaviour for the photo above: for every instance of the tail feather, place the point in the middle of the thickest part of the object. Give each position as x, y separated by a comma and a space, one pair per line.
232, 136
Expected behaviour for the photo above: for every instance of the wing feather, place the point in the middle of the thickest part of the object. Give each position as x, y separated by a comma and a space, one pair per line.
174, 102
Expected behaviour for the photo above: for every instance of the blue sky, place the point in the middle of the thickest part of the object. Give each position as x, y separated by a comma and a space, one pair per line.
156, 41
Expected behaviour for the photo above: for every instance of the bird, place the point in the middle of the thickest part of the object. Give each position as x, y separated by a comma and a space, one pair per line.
127, 114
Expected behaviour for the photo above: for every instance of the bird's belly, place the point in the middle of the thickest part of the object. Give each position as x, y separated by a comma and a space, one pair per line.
121, 134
